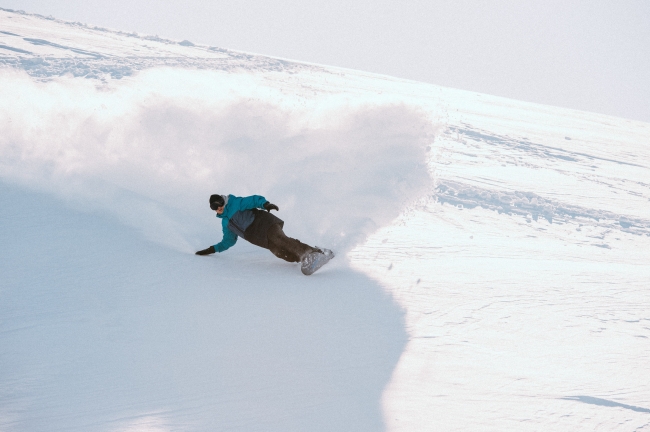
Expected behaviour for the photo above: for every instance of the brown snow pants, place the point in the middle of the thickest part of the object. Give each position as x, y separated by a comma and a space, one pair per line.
287, 248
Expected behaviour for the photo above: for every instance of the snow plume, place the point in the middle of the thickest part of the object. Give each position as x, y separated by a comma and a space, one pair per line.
152, 148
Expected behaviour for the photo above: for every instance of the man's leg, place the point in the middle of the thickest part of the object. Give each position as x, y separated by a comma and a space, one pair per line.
287, 248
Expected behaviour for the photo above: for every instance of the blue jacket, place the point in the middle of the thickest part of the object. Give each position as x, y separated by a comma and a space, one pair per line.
233, 206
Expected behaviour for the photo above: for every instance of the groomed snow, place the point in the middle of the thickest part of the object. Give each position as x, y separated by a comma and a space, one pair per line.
492, 269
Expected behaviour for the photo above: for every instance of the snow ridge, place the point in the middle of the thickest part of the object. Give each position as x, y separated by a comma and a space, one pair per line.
115, 54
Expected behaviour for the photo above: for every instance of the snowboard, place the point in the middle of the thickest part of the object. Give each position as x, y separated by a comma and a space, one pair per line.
315, 260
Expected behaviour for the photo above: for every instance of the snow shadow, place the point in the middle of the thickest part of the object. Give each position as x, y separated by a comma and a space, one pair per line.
103, 330
604, 402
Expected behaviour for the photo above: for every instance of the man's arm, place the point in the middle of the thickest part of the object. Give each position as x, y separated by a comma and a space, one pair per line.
256, 201
229, 239
251, 202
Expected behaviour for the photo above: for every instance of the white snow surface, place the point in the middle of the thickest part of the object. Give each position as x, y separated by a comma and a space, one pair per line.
492, 268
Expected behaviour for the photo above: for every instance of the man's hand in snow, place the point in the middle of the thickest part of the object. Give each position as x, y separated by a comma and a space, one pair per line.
268, 207
207, 251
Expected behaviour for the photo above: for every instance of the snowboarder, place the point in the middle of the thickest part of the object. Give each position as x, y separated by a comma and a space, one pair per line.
243, 217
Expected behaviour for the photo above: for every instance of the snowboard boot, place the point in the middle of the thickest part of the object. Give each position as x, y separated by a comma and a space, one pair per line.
315, 260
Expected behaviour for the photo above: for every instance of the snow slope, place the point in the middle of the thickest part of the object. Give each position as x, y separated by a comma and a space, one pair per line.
493, 255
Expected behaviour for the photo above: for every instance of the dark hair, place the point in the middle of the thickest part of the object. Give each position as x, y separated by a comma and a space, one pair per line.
216, 201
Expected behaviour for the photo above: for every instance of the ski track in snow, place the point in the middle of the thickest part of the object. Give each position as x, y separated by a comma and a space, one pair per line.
514, 239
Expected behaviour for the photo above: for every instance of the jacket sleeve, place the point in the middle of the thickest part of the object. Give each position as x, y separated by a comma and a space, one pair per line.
251, 202
229, 239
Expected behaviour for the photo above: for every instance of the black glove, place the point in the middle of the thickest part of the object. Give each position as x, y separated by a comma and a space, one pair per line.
268, 207
207, 251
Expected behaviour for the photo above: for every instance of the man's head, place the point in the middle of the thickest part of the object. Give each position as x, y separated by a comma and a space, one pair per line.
217, 203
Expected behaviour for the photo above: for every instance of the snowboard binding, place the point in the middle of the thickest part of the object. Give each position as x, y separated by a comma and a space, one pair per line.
315, 260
